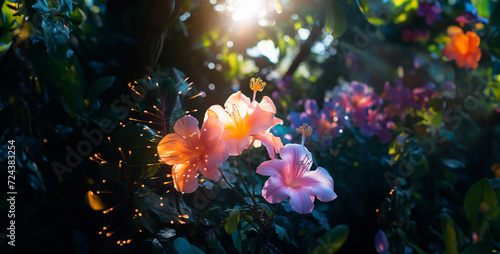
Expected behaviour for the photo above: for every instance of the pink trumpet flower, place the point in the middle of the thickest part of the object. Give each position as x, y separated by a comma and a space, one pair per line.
190, 150
291, 177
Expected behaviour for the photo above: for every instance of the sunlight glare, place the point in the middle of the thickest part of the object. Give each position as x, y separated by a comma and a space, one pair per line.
265, 48
245, 9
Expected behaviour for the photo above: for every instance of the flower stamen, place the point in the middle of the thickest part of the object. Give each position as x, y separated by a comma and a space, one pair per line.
256, 85
305, 130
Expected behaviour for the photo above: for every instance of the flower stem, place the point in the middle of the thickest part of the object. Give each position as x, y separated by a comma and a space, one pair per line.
275, 209
234, 189
251, 224
250, 173
243, 181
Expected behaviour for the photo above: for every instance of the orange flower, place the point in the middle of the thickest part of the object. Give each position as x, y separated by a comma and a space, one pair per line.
190, 150
463, 48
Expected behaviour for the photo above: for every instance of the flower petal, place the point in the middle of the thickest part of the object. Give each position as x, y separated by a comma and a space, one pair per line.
259, 120
186, 126
273, 167
276, 121
211, 130
272, 143
275, 190
221, 113
474, 40
294, 153
236, 145
216, 154
449, 52
239, 100
267, 104
321, 183
302, 199
185, 181
210, 171
172, 148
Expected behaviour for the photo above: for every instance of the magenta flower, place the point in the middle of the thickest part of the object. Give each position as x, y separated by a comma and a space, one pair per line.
190, 150
290, 177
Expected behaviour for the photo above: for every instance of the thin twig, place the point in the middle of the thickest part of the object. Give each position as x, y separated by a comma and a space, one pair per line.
275, 209
234, 189
243, 181
251, 224
250, 172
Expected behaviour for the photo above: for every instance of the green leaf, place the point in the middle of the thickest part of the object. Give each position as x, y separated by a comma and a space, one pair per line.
484, 246
266, 209
237, 241
495, 16
233, 65
431, 117
184, 247
449, 234
335, 20
58, 74
480, 196
282, 235
151, 171
232, 222
99, 87
364, 7
331, 241
483, 8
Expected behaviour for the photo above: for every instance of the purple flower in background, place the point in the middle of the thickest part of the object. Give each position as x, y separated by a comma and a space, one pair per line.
351, 105
447, 90
356, 99
430, 11
417, 35
336, 115
470, 15
319, 121
422, 94
381, 243
399, 97
379, 124
284, 86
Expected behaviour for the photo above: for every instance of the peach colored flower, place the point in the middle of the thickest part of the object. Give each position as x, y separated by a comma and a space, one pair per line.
246, 120
463, 48
291, 177
190, 150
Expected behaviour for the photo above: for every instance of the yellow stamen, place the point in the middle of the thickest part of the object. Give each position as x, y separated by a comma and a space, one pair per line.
257, 84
